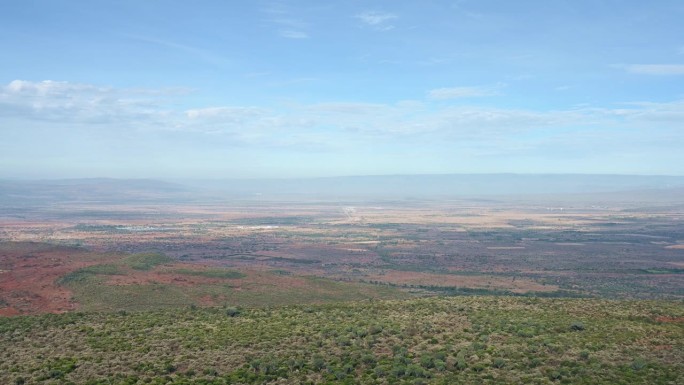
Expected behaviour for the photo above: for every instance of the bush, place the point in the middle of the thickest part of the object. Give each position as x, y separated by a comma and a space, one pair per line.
414, 371
461, 364
535, 362
577, 326
639, 364
318, 363
427, 362
368, 359
232, 312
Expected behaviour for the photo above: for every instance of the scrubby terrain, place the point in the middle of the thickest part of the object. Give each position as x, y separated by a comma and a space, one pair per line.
470, 340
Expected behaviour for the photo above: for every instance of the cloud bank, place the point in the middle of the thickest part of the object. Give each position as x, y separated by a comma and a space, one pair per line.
656, 69
377, 20
140, 121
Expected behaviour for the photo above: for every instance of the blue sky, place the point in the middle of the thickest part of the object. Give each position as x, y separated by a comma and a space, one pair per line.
235, 89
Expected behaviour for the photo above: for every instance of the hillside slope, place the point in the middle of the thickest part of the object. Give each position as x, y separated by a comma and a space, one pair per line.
468, 340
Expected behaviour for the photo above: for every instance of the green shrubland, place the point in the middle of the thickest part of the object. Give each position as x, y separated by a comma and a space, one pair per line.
468, 340
146, 261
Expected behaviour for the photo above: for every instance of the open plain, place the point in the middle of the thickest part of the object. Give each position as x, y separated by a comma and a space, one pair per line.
392, 248
538, 289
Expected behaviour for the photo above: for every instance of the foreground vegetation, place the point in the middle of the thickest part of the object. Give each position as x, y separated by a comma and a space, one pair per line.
469, 340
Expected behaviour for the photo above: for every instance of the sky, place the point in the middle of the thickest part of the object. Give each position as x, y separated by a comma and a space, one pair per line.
282, 89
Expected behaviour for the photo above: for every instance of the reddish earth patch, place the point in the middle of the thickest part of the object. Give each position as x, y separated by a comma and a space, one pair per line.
9, 311
168, 274
133, 277
666, 319
28, 281
254, 279
208, 300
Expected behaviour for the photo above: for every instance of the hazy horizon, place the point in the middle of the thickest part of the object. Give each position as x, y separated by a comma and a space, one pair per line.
292, 178
568, 188
307, 89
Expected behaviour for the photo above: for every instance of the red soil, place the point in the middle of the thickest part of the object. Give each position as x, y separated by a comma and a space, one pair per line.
670, 319
28, 275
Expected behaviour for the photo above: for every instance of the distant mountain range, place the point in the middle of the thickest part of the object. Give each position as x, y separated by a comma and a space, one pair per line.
95, 190
104, 190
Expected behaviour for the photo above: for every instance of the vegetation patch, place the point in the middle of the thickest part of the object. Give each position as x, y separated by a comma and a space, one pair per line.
146, 261
86, 273
212, 273
95, 295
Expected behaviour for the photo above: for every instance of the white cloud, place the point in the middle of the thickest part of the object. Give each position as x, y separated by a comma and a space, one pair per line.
462, 92
347, 108
59, 106
222, 112
377, 20
564, 87
66, 102
48, 87
291, 34
669, 114
656, 69
290, 22
287, 20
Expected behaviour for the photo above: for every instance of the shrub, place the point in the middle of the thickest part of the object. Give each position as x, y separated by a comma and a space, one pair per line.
639, 364
318, 363
232, 311
555, 375
427, 361
577, 326
210, 372
398, 370
414, 371
461, 364
535, 362
368, 359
